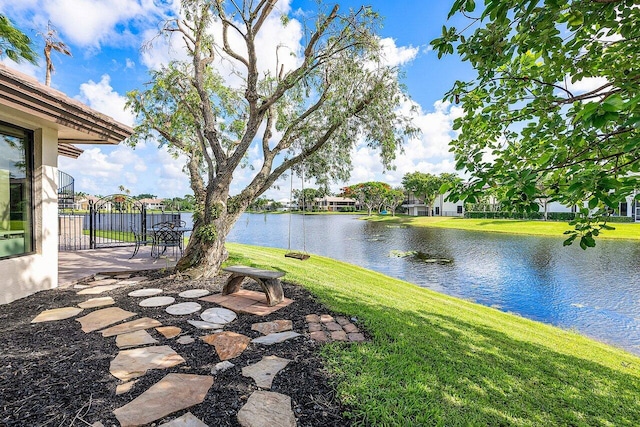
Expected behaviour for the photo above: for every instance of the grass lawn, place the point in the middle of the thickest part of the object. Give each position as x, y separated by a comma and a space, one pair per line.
439, 360
536, 228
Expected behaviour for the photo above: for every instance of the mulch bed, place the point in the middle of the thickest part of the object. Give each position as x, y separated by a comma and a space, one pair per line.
53, 374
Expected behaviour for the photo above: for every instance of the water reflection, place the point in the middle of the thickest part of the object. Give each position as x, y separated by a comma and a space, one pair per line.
596, 292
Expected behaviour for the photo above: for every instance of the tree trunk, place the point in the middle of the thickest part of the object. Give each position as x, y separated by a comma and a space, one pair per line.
206, 250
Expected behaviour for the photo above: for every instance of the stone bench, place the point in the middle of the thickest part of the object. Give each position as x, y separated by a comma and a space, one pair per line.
269, 280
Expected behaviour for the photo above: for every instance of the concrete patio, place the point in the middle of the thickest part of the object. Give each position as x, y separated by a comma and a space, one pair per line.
73, 266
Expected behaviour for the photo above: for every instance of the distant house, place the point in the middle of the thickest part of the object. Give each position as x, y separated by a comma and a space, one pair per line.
335, 204
37, 124
153, 204
441, 207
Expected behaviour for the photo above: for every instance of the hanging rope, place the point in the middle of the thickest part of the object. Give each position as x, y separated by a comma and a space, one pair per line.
298, 255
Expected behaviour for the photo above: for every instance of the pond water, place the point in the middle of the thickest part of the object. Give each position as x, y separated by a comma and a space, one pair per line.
595, 292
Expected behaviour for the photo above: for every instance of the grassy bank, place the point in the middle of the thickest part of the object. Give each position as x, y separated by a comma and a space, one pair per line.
535, 228
438, 360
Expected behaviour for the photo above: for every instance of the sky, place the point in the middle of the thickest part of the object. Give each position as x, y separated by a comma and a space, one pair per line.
106, 39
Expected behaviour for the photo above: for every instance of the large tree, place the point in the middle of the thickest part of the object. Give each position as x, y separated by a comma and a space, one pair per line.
554, 111
338, 92
370, 194
14, 43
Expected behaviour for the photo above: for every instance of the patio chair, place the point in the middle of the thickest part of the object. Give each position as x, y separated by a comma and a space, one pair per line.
167, 236
141, 239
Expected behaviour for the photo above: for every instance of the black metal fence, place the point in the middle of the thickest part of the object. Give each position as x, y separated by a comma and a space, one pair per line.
109, 222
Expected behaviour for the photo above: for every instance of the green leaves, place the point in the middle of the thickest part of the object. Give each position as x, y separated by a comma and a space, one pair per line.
553, 114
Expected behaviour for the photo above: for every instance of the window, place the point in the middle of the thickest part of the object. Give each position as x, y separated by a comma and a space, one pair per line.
459, 209
16, 203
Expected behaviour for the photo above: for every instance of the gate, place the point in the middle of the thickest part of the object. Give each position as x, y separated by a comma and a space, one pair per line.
113, 219
105, 223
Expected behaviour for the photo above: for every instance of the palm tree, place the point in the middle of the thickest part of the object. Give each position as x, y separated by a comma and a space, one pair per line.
51, 42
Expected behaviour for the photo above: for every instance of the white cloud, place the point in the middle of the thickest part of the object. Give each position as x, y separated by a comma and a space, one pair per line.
101, 97
585, 85
394, 55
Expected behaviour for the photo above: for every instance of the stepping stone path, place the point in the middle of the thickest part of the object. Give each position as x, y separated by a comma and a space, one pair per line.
129, 364
265, 370
194, 293
57, 314
325, 328
169, 331
103, 318
156, 301
132, 326
227, 344
97, 302
183, 308
275, 338
175, 392
267, 409
135, 339
171, 394
147, 292
187, 420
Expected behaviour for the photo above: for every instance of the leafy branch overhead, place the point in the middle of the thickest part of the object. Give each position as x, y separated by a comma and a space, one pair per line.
337, 92
554, 111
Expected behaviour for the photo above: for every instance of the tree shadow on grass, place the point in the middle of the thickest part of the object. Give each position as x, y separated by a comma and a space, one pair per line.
433, 369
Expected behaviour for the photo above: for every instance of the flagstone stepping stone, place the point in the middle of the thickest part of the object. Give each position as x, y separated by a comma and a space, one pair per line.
125, 387
95, 290
222, 366
132, 326
183, 308
135, 339
100, 277
187, 420
102, 318
266, 328
267, 409
227, 344
194, 293
169, 331
147, 292
171, 394
103, 282
133, 363
122, 276
200, 324
97, 302
134, 280
80, 286
218, 315
156, 301
265, 370
275, 338
57, 314
187, 339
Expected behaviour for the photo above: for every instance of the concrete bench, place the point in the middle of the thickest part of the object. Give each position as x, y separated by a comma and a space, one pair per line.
269, 280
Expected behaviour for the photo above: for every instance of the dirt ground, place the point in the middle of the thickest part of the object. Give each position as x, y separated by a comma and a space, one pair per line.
54, 374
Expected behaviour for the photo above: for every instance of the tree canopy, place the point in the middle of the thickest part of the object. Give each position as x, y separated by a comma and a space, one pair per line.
337, 92
427, 186
554, 111
371, 194
14, 44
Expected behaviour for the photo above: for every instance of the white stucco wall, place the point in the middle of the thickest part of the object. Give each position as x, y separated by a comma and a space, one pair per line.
25, 275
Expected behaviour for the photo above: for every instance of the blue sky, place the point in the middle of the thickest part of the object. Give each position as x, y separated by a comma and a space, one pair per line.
105, 37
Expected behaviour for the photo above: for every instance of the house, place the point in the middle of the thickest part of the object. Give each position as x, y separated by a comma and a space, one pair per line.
38, 123
441, 207
153, 204
335, 204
